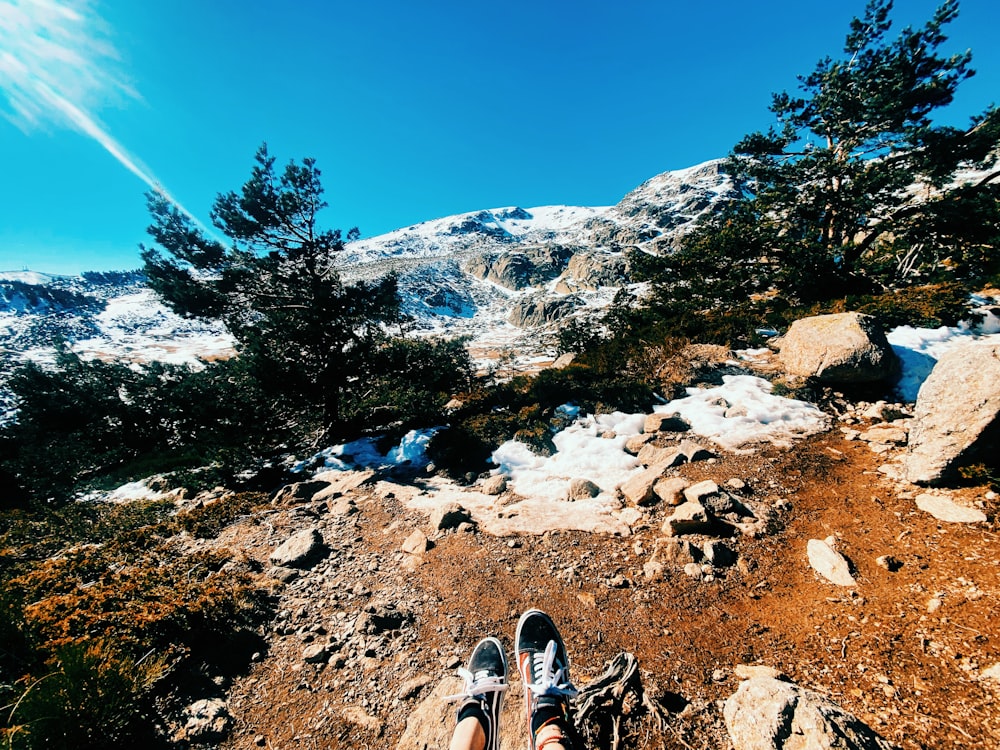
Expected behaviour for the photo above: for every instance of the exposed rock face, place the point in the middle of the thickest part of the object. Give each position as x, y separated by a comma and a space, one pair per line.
840, 348
956, 415
539, 310
530, 266
591, 270
767, 714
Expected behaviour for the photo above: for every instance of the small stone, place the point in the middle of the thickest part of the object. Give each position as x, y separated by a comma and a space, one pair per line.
736, 485
933, 605
411, 688
718, 554
829, 563
653, 571
416, 543
315, 653
693, 570
494, 485
582, 489
888, 562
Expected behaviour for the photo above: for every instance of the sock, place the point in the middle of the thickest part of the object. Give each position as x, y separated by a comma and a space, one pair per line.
545, 714
475, 708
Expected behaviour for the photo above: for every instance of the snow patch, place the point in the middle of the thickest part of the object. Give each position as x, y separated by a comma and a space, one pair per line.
743, 411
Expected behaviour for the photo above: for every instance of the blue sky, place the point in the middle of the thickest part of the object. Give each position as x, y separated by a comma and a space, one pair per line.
413, 110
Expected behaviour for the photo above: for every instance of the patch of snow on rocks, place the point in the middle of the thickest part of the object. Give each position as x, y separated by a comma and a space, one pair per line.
743, 411
591, 448
919, 349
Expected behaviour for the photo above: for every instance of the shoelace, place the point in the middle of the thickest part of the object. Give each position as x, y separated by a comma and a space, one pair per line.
551, 681
476, 686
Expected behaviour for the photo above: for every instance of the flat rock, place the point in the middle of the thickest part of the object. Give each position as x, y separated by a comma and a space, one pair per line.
299, 492
665, 423
448, 516
653, 455
957, 414
945, 509
889, 432
768, 714
829, 563
697, 491
670, 489
638, 490
635, 443
687, 518
342, 482
301, 550
432, 721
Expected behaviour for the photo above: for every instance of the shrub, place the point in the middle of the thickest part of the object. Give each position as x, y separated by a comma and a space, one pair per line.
91, 697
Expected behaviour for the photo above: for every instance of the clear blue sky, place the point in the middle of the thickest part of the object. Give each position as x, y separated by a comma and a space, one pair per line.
413, 110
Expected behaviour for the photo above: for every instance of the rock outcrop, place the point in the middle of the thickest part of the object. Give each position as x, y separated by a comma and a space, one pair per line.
540, 310
956, 415
839, 348
768, 714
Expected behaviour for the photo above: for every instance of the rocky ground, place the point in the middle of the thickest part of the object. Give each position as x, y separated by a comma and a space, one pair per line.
366, 635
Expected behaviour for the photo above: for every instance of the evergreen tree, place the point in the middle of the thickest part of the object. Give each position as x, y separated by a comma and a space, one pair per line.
304, 332
855, 189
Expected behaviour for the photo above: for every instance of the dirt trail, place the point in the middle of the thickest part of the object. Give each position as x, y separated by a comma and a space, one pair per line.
903, 650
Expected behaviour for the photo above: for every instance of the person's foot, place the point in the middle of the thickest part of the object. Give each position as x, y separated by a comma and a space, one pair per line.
544, 667
485, 683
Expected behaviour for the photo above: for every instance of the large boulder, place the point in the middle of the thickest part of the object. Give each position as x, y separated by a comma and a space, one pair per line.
840, 348
955, 419
768, 714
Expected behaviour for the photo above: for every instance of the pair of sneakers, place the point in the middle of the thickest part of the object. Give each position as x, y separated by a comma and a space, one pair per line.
544, 669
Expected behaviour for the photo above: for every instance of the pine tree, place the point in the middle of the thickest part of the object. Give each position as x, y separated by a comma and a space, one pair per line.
856, 183
854, 190
307, 336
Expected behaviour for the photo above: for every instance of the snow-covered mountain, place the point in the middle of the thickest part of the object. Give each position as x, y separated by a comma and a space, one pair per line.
504, 276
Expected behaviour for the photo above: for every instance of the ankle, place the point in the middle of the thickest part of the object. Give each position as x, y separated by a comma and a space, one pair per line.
550, 736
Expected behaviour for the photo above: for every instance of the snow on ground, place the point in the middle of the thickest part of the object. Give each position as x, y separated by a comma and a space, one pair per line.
919, 349
743, 411
138, 327
364, 453
591, 448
